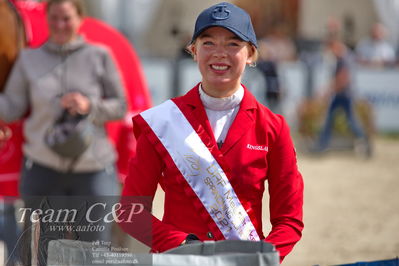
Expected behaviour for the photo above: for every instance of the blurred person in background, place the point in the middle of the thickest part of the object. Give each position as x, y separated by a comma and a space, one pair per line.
280, 46
341, 97
333, 29
376, 51
269, 69
66, 75
275, 48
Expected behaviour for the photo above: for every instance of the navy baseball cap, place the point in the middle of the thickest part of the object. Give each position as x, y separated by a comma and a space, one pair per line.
228, 16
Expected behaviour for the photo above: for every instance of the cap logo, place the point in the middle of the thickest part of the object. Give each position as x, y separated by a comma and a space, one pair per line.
220, 12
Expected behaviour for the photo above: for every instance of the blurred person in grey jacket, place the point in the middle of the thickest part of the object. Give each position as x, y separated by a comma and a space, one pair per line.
66, 73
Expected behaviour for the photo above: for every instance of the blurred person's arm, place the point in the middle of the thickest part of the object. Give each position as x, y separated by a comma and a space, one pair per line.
342, 77
112, 105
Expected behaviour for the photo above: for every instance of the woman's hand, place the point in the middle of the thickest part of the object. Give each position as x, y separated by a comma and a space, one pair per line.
76, 103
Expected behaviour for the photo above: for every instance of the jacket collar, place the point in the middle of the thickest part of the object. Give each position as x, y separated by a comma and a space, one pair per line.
192, 98
243, 121
67, 48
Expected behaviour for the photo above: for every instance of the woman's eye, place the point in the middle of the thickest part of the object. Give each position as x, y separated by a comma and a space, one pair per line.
208, 43
234, 44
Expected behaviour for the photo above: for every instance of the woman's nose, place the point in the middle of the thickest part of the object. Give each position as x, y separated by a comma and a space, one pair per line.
59, 24
219, 51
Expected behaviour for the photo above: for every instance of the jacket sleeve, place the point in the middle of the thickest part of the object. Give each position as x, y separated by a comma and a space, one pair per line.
286, 194
112, 105
14, 101
145, 170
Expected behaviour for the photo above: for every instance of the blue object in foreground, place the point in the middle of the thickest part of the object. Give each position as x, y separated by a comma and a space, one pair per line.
391, 262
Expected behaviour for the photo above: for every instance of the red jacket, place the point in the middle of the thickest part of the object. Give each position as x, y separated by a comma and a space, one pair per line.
258, 148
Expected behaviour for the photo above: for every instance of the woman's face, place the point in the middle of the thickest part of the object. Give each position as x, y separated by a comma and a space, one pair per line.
221, 58
64, 22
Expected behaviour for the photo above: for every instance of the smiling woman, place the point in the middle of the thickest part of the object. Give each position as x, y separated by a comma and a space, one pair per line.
221, 58
214, 148
64, 19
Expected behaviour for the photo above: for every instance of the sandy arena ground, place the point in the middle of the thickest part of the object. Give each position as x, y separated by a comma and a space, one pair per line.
351, 208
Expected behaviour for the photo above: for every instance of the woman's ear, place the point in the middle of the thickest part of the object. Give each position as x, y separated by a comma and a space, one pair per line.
252, 55
193, 51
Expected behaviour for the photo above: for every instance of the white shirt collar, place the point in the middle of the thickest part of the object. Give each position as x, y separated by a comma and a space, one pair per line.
221, 104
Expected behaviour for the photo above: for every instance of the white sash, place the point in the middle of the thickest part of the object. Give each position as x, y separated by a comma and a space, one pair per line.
200, 169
